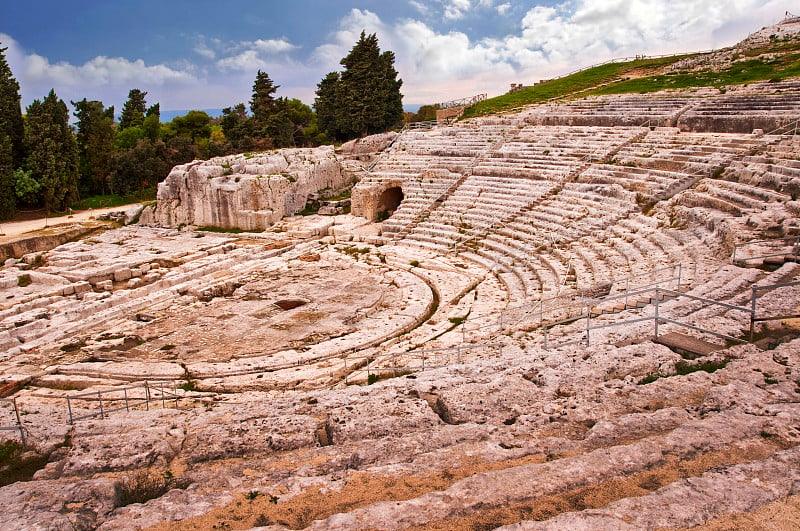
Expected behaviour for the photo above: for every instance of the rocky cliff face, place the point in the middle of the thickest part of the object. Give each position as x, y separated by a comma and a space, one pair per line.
250, 191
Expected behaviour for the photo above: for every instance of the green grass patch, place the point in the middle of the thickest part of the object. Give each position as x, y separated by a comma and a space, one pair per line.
110, 201
739, 74
565, 86
618, 78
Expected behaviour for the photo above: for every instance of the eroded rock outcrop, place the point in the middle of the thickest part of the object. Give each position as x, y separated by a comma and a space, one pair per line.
248, 191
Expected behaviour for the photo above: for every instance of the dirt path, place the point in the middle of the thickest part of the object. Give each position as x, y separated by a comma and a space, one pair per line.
19, 227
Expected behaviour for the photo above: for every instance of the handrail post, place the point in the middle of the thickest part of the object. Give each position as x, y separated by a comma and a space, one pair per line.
588, 326
100, 400
125, 391
19, 422
69, 408
146, 396
733, 257
163, 401
680, 270
627, 289
658, 299
753, 313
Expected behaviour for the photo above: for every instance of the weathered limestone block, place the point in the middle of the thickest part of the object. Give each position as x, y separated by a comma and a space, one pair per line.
369, 144
121, 275
373, 419
227, 435
246, 192
57, 505
124, 442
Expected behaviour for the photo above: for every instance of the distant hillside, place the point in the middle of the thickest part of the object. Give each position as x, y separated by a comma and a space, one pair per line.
771, 54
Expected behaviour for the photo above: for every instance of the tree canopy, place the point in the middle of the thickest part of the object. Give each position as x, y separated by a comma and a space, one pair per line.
95, 137
134, 110
52, 151
11, 124
365, 98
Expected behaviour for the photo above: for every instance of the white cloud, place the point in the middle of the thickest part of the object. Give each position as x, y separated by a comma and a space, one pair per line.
502, 8
456, 9
101, 70
252, 55
419, 6
342, 40
204, 51
272, 46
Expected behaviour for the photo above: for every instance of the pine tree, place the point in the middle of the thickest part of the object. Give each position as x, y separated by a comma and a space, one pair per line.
52, 151
262, 105
7, 195
11, 124
366, 98
95, 137
134, 110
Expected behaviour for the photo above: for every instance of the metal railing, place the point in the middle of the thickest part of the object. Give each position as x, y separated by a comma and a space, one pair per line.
754, 302
400, 363
568, 308
470, 100
17, 426
658, 318
154, 392
425, 125
792, 241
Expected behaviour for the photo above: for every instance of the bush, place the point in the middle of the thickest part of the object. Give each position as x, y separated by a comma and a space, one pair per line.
144, 485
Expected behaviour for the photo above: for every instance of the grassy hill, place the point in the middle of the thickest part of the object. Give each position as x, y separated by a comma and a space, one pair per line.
773, 61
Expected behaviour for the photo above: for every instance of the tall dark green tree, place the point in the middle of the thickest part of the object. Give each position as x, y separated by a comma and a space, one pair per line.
134, 110
151, 125
7, 195
329, 113
52, 151
236, 127
95, 137
11, 124
263, 102
366, 99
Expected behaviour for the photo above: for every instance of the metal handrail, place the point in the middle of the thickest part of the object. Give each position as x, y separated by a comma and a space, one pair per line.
795, 248
18, 427
423, 355
150, 388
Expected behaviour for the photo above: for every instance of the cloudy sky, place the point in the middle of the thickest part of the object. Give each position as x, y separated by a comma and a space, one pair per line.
205, 53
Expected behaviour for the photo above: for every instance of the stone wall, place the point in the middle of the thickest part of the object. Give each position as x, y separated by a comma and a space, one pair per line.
249, 192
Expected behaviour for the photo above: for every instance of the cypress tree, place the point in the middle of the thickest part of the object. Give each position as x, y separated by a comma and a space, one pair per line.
365, 98
52, 151
11, 124
7, 196
325, 105
134, 110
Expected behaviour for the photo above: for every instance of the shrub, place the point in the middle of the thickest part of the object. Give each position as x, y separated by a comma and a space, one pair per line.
24, 280
414, 263
144, 485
